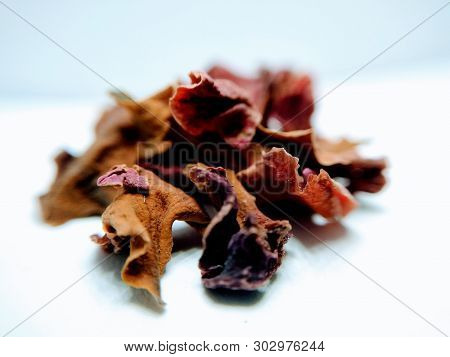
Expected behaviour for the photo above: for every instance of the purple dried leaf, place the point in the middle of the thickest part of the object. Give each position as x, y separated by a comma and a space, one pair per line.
125, 177
242, 247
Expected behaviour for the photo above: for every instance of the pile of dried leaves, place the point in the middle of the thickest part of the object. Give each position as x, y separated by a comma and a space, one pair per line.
207, 153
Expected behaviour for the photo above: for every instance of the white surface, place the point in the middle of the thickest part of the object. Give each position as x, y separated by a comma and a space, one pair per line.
399, 237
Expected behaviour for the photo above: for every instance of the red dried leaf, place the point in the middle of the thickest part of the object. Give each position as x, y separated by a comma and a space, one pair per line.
291, 101
275, 176
215, 106
283, 96
257, 89
339, 158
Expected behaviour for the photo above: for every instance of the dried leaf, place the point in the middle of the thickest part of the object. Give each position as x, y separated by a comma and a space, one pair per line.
287, 98
275, 177
291, 101
145, 222
74, 192
283, 96
257, 89
339, 158
215, 106
242, 247
127, 178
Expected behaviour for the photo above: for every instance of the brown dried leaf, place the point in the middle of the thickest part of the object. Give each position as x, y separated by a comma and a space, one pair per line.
74, 193
146, 223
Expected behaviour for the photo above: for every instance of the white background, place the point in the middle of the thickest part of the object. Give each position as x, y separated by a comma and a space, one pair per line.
139, 45
399, 238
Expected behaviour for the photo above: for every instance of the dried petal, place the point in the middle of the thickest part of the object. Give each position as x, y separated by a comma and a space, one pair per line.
215, 106
242, 247
249, 260
125, 177
327, 196
146, 224
283, 96
339, 158
287, 98
275, 176
74, 192
330, 152
104, 242
343, 160
291, 101
257, 89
